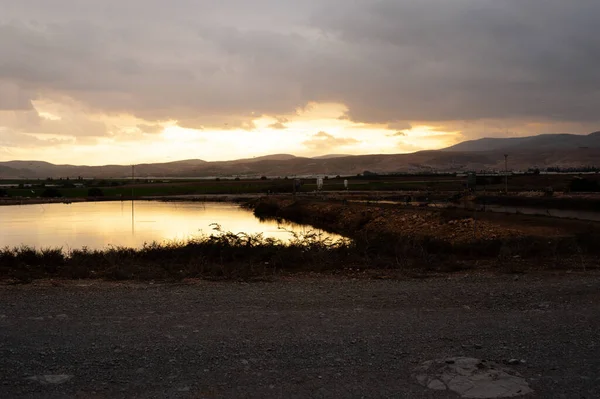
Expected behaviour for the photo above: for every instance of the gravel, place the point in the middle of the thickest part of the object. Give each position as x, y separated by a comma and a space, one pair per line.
295, 337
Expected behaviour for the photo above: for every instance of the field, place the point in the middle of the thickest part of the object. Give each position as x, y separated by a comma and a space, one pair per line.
125, 188
441, 184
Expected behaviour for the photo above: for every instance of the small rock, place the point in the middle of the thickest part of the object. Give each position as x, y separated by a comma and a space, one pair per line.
513, 362
437, 385
51, 378
450, 361
184, 389
478, 346
471, 378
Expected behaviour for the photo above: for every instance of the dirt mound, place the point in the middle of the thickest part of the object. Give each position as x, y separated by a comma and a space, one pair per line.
405, 221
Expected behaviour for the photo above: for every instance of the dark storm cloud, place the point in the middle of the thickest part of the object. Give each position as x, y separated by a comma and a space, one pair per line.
452, 60
389, 61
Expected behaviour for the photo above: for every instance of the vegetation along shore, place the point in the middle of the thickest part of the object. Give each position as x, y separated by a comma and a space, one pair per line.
383, 240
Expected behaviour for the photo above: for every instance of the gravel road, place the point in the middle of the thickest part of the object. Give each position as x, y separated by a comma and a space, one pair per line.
296, 337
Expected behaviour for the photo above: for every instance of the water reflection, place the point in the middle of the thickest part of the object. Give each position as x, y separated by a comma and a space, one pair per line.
100, 224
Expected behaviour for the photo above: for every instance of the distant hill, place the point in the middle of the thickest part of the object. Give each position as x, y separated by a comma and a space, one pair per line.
563, 150
541, 142
188, 162
329, 156
274, 157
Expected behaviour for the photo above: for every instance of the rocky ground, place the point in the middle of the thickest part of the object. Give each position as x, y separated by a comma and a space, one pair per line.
302, 337
450, 225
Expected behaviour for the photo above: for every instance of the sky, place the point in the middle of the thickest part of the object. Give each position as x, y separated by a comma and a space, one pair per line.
105, 81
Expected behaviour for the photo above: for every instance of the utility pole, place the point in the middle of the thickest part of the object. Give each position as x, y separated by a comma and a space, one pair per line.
506, 173
132, 210
132, 179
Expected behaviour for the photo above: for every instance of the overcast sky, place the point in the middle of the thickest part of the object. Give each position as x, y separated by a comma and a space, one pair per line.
107, 81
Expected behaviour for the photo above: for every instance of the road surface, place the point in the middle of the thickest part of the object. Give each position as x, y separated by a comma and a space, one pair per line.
296, 337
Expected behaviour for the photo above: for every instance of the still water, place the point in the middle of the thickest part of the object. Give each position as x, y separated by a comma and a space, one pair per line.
97, 225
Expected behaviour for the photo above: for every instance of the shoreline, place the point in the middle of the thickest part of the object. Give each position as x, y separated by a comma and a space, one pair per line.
176, 198
381, 237
559, 201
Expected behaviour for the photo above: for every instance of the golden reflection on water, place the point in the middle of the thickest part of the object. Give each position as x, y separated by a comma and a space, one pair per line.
97, 225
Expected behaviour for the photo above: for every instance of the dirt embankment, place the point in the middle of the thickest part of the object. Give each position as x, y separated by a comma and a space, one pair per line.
406, 232
445, 224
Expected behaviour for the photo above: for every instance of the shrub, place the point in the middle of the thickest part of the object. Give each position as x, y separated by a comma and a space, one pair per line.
584, 185
95, 192
51, 192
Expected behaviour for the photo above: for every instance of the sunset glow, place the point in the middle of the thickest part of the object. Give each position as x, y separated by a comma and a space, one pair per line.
149, 82
316, 129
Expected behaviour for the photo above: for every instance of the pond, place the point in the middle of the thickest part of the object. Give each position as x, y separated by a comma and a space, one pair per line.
97, 225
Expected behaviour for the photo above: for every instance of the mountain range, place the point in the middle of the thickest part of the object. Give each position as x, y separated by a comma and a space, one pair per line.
541, 142
546, 150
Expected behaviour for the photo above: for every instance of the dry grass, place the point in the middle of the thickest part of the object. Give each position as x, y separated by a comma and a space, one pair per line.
222, 255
